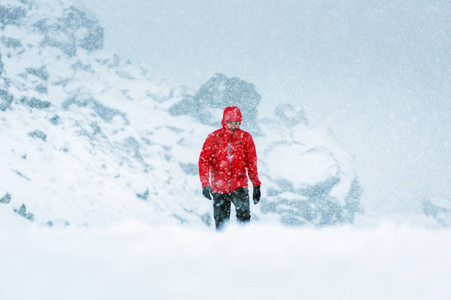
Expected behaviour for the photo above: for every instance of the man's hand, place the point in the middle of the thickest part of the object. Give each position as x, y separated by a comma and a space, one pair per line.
207, 191
257, 194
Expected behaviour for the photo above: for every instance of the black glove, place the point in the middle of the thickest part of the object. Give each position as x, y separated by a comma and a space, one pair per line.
206, 191
257, 194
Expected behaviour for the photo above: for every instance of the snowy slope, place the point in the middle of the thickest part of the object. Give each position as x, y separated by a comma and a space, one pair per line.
91, 139
86, 139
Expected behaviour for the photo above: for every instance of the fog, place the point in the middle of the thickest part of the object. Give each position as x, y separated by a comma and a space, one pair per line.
377, 73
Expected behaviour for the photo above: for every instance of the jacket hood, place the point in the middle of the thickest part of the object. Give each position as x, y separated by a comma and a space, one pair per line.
231, 113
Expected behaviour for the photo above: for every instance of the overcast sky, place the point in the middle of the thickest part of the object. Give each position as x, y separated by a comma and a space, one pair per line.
378, 73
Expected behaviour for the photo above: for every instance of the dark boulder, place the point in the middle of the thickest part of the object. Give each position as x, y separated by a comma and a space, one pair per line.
38, 134
5, 99
11, 15
217, 93
6, 198
22, 211
75, 29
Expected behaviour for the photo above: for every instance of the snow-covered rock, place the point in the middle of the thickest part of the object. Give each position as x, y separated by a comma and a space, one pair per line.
439, 210
208, 103
6, 198
311, 180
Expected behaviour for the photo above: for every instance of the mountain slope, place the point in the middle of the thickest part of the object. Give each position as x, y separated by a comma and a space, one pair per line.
89, 138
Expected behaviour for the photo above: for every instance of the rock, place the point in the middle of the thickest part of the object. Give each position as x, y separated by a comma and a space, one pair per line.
38, 134
41, 89
6, 198
316, 185
76, 28
11, 42
438, 209
11, 15
55, 120
103, 111
36, 103
208, 103
1, 64
132, 148
40, 73
144, 195
5, 99
23, 212
206, 218
189, 168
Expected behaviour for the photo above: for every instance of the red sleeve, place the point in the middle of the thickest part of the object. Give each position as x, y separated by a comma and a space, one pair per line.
205, 159
251, 161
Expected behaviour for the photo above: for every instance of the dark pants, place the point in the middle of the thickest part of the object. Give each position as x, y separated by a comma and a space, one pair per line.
221, 206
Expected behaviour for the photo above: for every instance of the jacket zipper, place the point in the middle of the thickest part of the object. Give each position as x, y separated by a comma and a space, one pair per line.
231, 169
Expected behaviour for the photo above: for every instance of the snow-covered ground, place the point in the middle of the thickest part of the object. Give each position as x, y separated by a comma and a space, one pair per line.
137, 261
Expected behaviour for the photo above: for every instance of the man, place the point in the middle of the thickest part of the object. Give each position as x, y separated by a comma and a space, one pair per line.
228, 156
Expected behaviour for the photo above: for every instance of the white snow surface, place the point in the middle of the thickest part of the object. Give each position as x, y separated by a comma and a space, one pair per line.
316, 165
138, 261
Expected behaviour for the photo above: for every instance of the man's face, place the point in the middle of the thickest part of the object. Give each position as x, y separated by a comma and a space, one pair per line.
233, 125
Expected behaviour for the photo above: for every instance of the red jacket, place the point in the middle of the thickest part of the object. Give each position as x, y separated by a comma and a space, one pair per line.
228, 157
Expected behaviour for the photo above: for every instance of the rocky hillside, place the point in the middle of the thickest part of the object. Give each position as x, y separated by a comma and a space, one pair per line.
89, 138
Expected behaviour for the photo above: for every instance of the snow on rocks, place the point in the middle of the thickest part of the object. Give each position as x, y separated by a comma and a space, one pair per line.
439, 210
6, 198
107, 146
310, 179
